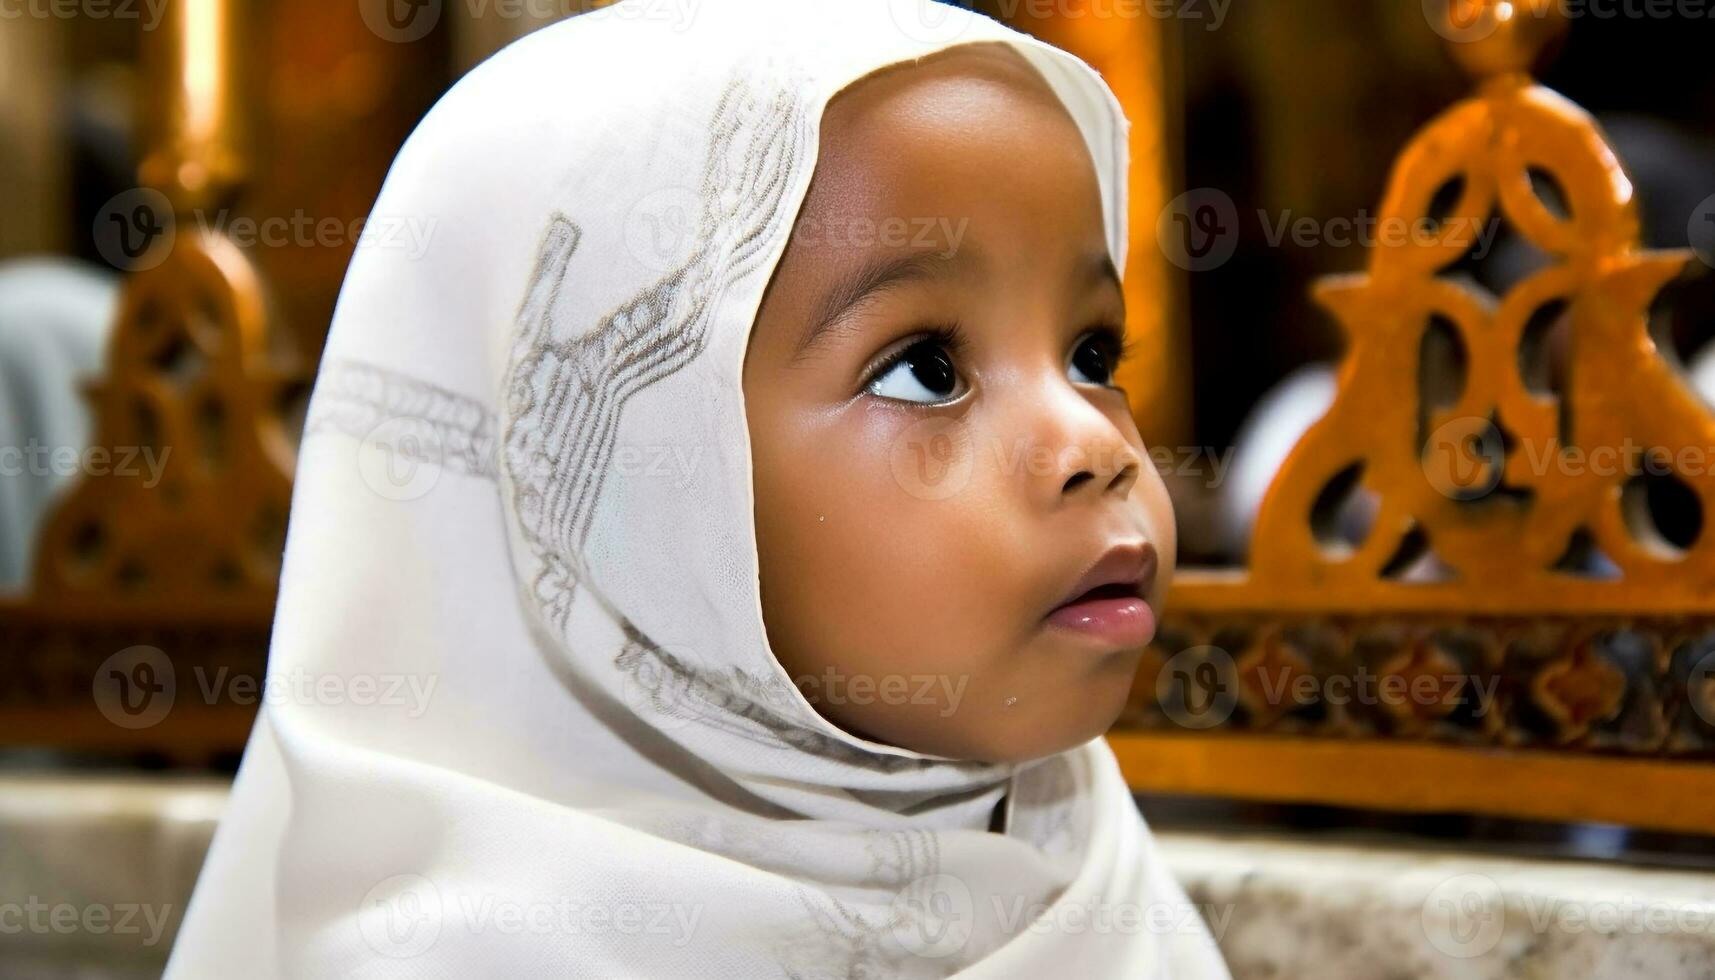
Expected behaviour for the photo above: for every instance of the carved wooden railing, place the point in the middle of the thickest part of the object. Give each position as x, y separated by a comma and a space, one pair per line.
1484, 580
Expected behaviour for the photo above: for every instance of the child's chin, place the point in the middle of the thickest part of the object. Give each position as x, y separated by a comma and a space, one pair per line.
1042, 748
983, 730
1046, 738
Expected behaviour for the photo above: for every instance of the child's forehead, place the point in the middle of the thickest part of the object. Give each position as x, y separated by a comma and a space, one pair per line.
994, 66
950, 187
1001, 175
949, 148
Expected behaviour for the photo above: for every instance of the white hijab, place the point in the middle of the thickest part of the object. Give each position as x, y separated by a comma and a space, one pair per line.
523, 718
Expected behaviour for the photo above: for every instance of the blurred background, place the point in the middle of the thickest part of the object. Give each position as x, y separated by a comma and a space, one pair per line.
182, 183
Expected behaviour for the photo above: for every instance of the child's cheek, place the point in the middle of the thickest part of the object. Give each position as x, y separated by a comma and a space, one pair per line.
928, 457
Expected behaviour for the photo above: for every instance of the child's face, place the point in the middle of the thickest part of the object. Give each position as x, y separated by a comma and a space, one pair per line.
918, 520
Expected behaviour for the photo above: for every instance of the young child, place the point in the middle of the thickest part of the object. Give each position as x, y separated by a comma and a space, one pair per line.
719, 553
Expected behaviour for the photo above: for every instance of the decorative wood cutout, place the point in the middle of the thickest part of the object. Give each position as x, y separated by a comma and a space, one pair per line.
1502, 518
1546, 422
190, 513
199, 515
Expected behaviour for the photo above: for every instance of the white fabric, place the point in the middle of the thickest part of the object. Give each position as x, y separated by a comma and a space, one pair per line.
524, 511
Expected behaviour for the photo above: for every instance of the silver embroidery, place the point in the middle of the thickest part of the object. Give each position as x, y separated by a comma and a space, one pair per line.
446, 428
566, 390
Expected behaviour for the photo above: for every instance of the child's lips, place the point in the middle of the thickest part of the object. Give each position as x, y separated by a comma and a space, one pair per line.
1109, 601
1118, 621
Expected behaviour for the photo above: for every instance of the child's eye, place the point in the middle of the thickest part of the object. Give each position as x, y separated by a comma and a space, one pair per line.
1094, 359
922, 373
1098, 355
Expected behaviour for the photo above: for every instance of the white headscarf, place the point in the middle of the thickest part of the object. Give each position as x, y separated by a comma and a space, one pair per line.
523, 717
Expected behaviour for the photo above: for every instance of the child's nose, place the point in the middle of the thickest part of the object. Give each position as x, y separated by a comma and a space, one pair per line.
1086, 454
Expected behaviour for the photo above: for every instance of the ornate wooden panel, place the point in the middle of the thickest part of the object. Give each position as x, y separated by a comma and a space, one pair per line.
1495, 539
192, 391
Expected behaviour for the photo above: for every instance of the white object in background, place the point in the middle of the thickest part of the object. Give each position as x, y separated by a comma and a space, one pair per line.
1275, 424
55, 316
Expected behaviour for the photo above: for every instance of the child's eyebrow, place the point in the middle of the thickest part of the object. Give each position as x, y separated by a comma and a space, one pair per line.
1097, 268
881, 273
873, 277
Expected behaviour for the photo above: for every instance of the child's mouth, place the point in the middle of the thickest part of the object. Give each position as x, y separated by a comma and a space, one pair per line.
1108, 614
1110, 607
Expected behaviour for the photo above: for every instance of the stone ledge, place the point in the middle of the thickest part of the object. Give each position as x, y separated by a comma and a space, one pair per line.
1299, 908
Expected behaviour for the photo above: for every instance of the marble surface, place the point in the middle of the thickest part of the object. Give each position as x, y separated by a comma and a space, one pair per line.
1298, 908
95, 873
